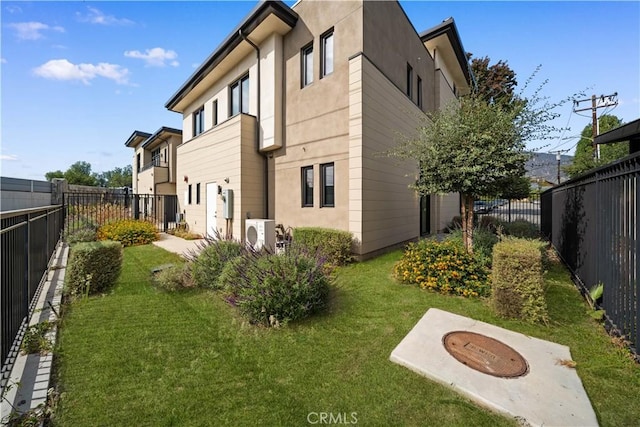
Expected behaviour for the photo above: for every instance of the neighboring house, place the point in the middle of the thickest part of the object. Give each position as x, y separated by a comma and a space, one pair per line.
295, 110
154, 161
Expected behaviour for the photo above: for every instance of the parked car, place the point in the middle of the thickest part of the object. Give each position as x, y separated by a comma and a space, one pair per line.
480, 206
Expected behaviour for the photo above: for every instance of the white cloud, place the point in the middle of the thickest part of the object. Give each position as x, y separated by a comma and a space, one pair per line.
62, 69
156, 57
8, 157
96, 16
13, 9
33, 30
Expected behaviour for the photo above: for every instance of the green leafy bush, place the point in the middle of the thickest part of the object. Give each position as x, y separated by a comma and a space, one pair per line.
35, 340
208, 264
272, 290
517, 288
483, 242
334, 245
174, 278
442, 266
93, 267
80, 235
129, 232
521, 228
232, 272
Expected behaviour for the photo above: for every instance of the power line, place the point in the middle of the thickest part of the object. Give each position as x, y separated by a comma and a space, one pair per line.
603, 101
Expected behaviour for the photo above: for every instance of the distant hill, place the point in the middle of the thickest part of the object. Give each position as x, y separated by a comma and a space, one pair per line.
545, 166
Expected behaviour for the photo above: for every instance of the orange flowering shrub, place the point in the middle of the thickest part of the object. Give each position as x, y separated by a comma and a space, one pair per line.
444, 267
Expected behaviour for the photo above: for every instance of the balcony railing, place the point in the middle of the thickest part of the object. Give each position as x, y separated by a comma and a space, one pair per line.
154, 163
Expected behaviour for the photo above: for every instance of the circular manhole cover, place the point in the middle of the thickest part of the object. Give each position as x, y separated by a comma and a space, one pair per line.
485, 354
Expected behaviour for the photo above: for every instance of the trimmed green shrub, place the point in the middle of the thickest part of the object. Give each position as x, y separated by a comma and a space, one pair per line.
273, 290
522, 229
518, 283
129, 232
173, 278
208, 264
93, 267
334, 245
442, 266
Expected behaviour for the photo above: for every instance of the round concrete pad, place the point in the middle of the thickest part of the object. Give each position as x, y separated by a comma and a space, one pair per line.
485, 354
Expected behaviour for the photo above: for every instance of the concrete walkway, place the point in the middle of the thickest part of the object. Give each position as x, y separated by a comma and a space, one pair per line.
178, 245
550, 394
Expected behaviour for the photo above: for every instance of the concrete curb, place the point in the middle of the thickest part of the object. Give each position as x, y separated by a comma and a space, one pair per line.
30, 375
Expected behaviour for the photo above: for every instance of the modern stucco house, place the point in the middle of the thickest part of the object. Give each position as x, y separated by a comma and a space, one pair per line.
154, 160
293, 112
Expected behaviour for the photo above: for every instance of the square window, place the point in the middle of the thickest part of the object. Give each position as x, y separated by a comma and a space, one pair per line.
328, 185
307, 186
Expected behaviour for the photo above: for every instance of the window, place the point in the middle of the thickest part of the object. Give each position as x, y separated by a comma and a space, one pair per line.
409, 81
155, 157
327, 175
307, 65
215, 112
419, 89
197, 193
198, 121
307, 186
138, 162
240, 96
189, 195
326, 46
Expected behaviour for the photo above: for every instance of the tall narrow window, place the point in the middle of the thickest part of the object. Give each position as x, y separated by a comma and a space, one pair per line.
328, 180
155, 157
240, 96
326, 67
138, 162
198, 121
197, 193
189, 195
419, 90
307, 186
409, 81
307, 65
215, 112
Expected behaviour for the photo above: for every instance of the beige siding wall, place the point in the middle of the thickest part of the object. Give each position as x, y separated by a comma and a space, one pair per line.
317, 116
389, 208
444, 91
391, 42
226, 152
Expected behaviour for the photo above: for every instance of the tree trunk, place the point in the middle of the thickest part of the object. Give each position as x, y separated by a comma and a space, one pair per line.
467, 222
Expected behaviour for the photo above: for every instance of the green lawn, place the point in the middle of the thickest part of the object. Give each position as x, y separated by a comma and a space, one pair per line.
139, 356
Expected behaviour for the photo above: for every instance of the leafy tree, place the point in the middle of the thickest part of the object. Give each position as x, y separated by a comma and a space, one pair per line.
80, 173
118, 177
583, 159
54, 174
473, 147
495, 83
515, 187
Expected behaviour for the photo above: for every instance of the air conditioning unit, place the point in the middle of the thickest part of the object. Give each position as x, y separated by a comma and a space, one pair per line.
260, 233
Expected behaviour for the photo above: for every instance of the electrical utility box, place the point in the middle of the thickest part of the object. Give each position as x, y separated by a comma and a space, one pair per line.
227, 203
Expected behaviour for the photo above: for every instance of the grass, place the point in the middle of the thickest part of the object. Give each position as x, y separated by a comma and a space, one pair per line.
139, 356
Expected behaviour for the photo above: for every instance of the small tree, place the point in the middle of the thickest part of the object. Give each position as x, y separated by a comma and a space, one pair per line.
473, 147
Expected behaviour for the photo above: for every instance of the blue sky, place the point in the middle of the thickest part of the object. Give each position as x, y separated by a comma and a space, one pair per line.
77, 78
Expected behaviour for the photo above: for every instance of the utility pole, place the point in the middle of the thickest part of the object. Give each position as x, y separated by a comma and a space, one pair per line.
558, 159
596, 102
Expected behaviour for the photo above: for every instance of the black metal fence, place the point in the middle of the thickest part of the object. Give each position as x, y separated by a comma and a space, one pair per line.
28, 240
94, 209
592, 222
527, 209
